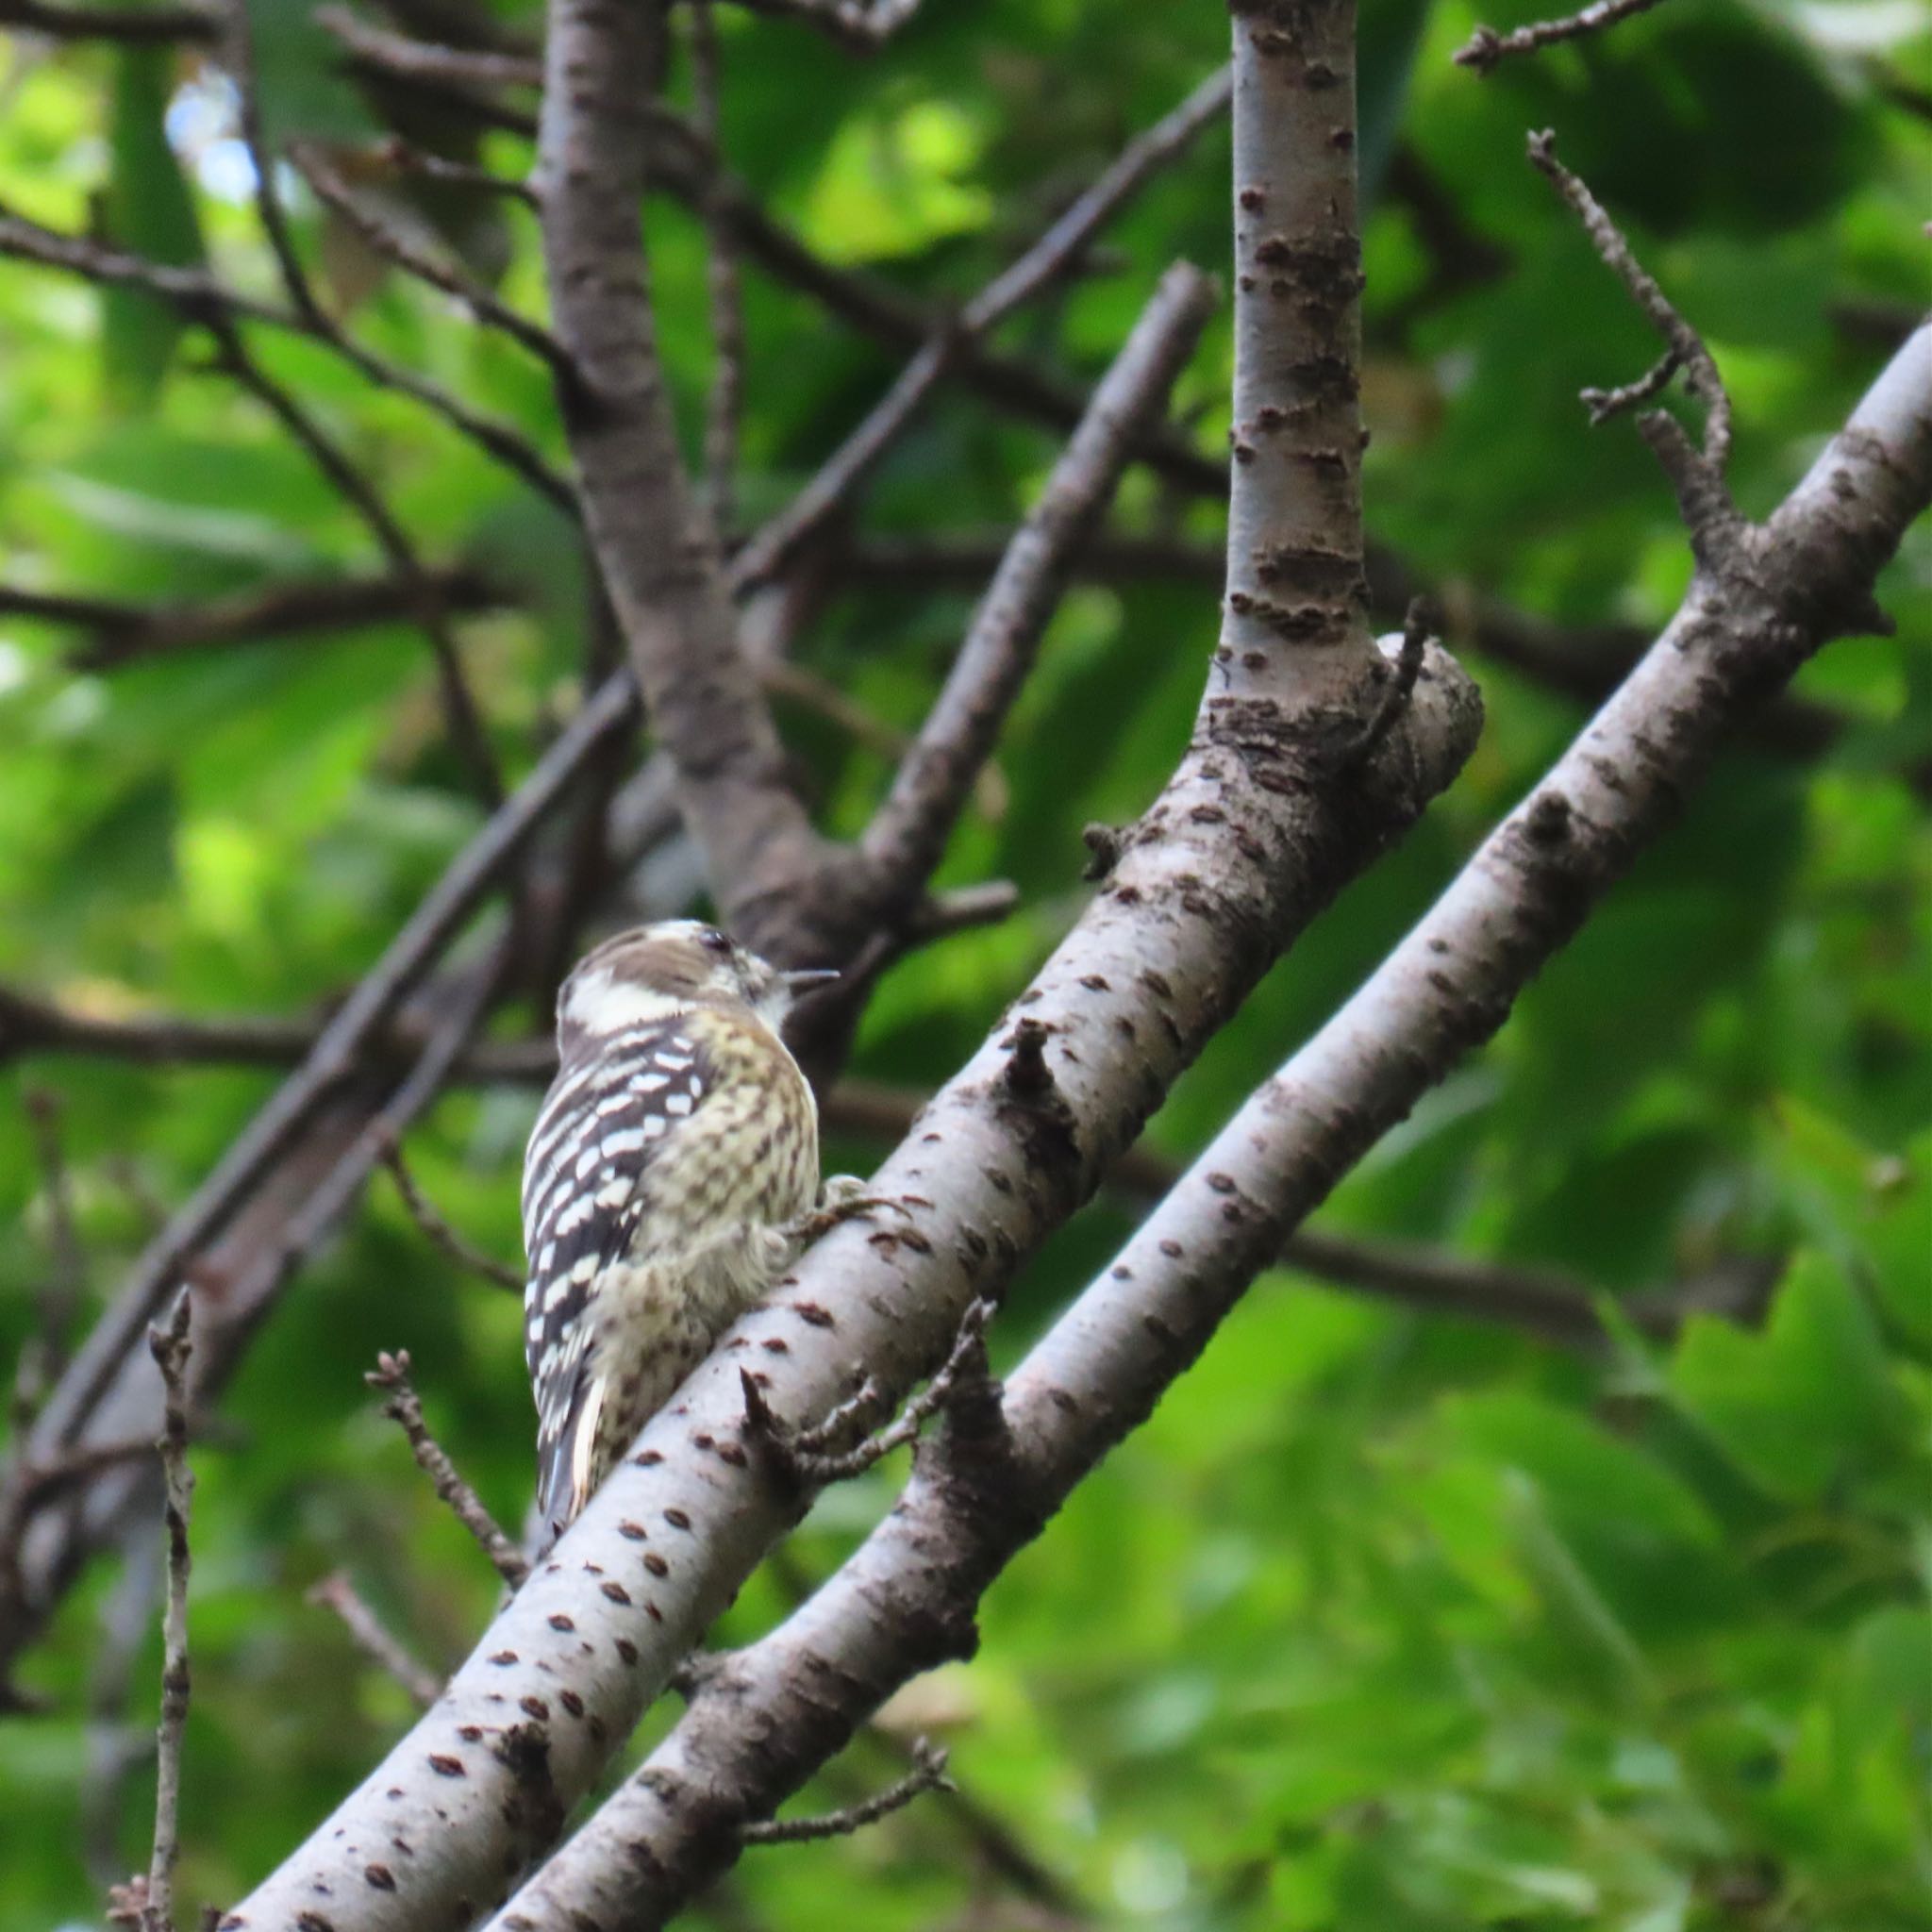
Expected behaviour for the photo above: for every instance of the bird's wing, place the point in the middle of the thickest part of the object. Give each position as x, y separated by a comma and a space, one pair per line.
601, 1126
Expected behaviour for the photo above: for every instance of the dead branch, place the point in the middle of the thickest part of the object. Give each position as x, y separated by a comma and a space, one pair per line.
404, 1409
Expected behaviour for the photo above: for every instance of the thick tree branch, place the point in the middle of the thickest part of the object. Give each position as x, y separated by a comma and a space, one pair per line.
659, 557
1294, 542
766, 1717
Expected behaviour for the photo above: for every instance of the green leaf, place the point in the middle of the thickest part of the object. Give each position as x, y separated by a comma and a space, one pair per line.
1805, 1404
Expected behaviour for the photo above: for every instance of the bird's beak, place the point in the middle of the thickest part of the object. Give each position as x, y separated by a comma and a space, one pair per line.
808, 976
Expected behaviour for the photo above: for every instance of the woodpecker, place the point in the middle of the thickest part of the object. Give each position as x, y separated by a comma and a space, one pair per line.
671, 1161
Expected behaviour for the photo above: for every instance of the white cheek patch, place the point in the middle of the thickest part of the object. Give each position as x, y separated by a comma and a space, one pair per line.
600, 1004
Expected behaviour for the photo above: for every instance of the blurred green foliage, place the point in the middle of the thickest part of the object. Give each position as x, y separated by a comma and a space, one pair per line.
1385, 1620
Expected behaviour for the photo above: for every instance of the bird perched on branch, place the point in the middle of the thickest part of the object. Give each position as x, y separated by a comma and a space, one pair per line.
668, 1182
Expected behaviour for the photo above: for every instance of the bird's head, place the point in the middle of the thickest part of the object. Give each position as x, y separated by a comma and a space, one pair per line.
654, 972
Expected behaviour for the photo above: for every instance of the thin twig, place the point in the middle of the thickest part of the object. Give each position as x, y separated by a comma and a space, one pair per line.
1053, 256
411, 59
239, 54
803, 1456
468, 732
389, 242
929, 1773
402, 1407
1417, 622
812, 691
1605, 403
32, 1025
130, 25
724, 401
123, 631
1700, 371
395, 153
196, 294
1486, 46
171, 1349
375, 1639
438, 1231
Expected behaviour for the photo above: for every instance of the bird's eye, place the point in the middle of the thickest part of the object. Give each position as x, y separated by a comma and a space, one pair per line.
714, 942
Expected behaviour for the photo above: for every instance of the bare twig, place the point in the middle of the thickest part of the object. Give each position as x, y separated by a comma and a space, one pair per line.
385, 240
171, 1349
1605, 403
1685, 343
196, 295
375, 1639
1486, 46
929, 1773
411, 59
130, 25
391, 1375
397, 154
1416, 625
805, 1457
1053, 257
438, 1232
